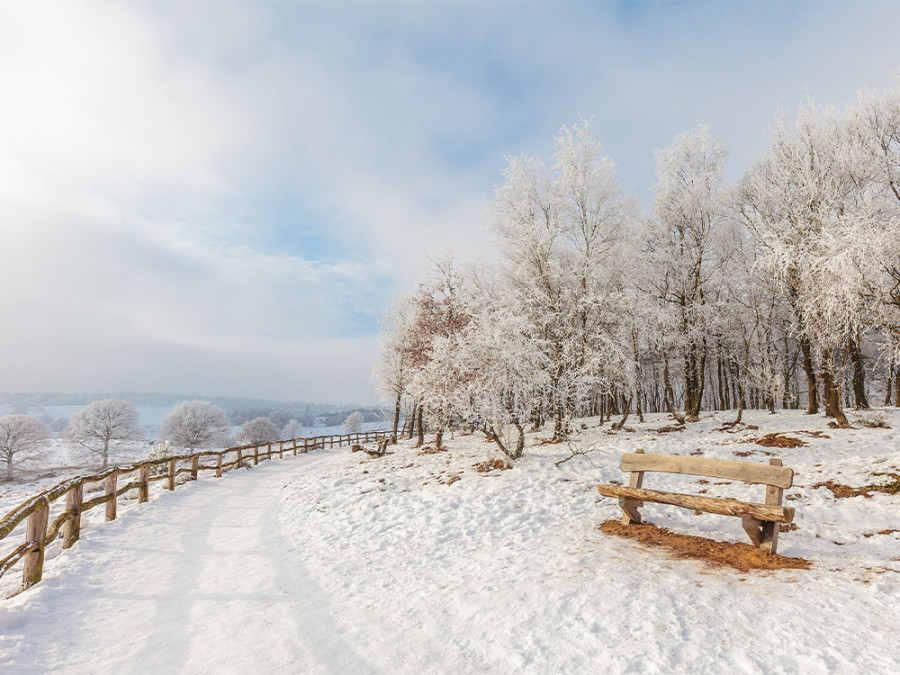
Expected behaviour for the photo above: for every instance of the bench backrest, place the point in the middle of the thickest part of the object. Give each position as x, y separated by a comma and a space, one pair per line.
763, 474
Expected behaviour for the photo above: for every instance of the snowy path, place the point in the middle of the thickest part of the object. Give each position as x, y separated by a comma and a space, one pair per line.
337, 563
200, 580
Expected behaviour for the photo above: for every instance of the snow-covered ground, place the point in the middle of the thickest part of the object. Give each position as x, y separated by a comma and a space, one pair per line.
335, 562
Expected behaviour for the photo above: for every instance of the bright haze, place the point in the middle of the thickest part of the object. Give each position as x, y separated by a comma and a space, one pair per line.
222, 198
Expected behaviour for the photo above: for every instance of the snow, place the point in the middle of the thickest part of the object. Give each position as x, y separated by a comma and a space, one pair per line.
333, 562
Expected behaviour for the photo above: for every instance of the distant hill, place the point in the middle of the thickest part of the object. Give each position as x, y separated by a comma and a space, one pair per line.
239, 410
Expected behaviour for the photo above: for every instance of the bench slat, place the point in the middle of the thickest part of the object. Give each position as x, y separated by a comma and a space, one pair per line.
777, 476
725, 507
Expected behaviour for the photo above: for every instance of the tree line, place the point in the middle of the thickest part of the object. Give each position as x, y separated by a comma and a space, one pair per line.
778, 290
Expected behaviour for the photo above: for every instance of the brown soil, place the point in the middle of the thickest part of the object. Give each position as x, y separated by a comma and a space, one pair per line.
890, 487
872, 534
492, 465
428, 450
669, 430
777, 440
742, 557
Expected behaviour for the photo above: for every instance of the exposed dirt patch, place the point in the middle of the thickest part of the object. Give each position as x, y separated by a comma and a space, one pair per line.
493, 465
669, 430
890, 487
743, 453
552, 441
428, 450
777, 440
867, 535
742, 557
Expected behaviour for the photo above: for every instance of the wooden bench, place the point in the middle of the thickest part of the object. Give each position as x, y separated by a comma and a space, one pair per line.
760, 521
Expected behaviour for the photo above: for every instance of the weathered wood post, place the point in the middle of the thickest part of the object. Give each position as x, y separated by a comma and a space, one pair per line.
769, 535
72, 527
144, 484
240, 459
256, 456
111, 487
195, 466
171, 482
295, 447
280, 449
269, 452
36, 533
630, 513
219, 465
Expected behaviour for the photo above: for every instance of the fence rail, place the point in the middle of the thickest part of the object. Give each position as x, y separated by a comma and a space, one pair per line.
40, 531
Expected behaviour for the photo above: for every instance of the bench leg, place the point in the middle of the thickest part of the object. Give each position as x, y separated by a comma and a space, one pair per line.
770, 537
753, 528
630, 513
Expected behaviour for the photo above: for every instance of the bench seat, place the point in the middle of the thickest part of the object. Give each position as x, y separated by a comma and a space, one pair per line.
724, 507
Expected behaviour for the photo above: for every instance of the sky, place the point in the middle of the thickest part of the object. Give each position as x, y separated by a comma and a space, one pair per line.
222, 198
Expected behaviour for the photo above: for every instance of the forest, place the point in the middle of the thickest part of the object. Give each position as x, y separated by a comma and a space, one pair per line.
778, 290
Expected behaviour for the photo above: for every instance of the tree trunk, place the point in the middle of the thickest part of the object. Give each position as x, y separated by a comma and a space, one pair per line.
439, 439
520, 441
897, 388
832, 394
420, 429
890, 377
811, 382
859, 375
668, 393
396, 420
9, 465
105, 453
621, 422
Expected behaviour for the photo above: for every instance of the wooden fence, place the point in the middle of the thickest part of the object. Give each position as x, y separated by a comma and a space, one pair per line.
40, 531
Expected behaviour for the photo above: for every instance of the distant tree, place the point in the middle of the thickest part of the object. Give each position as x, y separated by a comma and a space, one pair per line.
100, 423
258, 431
21, 437
354, 423
292, 429
194, 424
281, 417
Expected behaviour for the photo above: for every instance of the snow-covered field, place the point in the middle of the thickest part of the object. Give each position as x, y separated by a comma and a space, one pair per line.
335, 562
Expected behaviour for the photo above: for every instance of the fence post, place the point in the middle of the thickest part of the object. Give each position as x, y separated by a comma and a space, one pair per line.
36, 531
240, 459
295, 447
195, 465
256, 455
280, 449
111, 486
219, 465
269, 452
72, 527
144, 484
171, 484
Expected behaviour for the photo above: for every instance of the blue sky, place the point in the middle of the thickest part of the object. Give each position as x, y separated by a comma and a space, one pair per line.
222, 197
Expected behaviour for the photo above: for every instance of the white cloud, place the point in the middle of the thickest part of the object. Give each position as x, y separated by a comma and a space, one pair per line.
144, 149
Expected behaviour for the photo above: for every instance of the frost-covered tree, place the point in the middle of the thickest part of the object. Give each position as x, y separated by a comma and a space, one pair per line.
393, 369
292, 429
257, 431
801, 198
441, 310
21, 438
354, 423
498, 368
97, 427
559, 231
686, 244
194, 424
